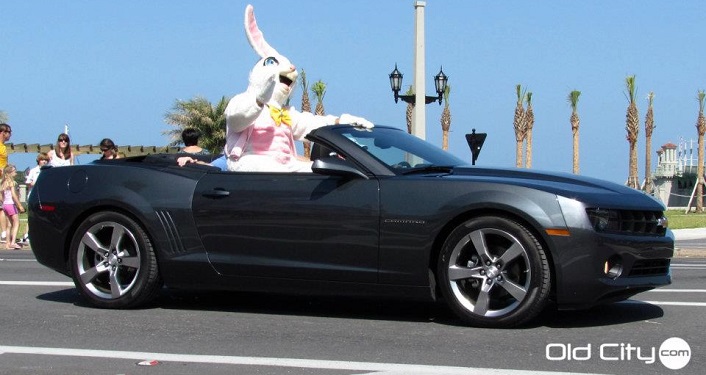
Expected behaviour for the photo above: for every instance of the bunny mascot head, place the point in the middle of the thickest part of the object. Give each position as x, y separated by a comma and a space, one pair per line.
260, 133
271, 65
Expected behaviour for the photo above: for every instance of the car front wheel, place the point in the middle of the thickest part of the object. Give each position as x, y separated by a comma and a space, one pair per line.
113, 263
493, 272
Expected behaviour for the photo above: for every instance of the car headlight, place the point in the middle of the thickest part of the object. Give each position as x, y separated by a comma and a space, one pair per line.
603, 220
634, 222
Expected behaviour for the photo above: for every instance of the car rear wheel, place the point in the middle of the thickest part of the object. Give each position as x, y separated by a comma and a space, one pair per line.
113, 263
493, 272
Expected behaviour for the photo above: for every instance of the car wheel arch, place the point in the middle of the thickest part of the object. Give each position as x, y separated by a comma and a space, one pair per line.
132, 283
481, 305
116, 208
511, 215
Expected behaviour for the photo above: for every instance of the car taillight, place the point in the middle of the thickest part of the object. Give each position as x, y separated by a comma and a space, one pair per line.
47, 207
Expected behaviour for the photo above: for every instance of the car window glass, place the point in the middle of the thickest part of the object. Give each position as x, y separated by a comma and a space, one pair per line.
400, 150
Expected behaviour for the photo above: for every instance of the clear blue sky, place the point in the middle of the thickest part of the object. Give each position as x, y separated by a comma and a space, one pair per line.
113, 69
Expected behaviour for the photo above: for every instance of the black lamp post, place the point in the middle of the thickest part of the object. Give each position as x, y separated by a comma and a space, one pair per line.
440, 81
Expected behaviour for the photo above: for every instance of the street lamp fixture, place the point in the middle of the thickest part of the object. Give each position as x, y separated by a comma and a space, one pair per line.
440, 81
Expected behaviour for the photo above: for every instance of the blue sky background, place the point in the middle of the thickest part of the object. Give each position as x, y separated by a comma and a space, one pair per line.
113, 69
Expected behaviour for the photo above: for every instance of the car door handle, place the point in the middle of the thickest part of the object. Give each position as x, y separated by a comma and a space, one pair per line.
217, 193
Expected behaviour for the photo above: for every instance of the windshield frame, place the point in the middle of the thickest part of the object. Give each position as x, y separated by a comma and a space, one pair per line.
393, 149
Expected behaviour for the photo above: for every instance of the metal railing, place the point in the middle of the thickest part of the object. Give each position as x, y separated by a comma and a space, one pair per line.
35, 148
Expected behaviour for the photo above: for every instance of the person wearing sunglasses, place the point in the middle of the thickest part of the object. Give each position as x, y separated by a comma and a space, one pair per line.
61, 155
109, 150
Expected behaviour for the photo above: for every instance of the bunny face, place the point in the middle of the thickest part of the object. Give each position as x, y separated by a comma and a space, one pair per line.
286, 75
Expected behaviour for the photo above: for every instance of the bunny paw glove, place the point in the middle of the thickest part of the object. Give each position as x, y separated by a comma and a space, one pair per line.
354, 120
263, 84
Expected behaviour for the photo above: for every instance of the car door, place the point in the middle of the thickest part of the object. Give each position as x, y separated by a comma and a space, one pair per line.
289, 225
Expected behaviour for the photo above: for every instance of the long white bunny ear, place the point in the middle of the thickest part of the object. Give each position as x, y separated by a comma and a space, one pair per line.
255, 37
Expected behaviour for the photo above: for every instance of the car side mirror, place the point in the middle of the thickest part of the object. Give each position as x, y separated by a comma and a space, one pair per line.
335, 166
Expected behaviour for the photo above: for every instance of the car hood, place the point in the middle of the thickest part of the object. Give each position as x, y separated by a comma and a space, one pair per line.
592, 191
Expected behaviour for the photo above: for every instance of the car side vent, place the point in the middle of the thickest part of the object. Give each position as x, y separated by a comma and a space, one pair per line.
650, 267
630, 222
171, 231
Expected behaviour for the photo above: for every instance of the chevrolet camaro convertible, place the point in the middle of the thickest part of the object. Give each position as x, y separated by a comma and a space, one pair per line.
383, 213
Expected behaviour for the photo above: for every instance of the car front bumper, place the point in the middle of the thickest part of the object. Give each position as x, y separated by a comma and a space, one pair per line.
593, 268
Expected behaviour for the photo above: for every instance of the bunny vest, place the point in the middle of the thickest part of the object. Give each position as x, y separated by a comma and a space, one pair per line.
268, 143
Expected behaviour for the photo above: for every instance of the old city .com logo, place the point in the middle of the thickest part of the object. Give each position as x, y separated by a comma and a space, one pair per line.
674, 353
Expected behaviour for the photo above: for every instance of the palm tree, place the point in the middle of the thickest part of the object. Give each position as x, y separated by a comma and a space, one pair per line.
573, 99
199, 113
632, 126
306, 107
306, 103
319, 90
529, 124
649, 128
445, 120
519, 124
701, 128
410, 110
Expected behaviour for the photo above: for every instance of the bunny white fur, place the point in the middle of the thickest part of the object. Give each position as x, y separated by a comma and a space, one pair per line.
254, 115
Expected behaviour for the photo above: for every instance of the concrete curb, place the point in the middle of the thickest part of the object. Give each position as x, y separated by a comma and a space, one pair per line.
689, 234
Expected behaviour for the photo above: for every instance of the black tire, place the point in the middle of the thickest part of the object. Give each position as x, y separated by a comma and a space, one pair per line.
493, 272
113, 263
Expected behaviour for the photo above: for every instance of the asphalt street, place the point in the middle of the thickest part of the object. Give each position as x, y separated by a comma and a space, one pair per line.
47, 328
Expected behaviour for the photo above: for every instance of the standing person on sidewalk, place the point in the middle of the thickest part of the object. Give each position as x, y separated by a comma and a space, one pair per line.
11, 205
109, 150
61, 155
30, 180
5, 133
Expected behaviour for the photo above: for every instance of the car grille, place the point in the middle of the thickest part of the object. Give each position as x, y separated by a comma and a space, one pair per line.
650, 267
629, 222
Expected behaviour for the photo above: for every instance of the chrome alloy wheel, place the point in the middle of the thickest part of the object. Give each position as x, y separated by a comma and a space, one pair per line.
108, 260
489, 272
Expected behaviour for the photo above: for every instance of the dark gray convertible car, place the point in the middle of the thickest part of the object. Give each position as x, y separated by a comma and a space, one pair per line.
383, 213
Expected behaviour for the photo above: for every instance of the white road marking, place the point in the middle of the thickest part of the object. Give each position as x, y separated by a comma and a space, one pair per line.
37, 283
678, 290
694, 266
373, 367
670, 303
667, 303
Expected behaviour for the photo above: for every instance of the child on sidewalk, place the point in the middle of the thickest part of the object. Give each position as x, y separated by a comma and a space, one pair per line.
11, 205
30, 180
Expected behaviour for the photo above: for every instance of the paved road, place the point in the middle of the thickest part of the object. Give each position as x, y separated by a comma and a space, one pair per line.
48, 329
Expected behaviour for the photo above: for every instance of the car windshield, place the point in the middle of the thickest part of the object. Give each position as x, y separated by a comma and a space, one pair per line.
402, 152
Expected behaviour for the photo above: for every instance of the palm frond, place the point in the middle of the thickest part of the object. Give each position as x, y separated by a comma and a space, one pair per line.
631, 87
573, 99
319, 89
198, 113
